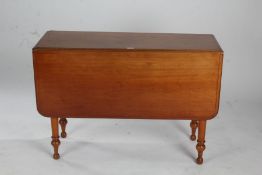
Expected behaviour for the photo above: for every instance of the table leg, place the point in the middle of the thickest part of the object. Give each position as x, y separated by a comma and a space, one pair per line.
201, 141
55, 136
193, 125
63, 122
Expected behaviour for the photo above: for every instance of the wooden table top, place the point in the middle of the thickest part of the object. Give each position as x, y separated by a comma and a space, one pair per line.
127, 41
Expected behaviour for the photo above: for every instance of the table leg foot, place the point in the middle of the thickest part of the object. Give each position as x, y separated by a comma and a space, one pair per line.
55, 137
201, 141
193, 125
63, 122
55, 144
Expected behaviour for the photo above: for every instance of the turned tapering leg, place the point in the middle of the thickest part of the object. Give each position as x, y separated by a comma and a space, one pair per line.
55, 137
63, 123
201, 141
193, 125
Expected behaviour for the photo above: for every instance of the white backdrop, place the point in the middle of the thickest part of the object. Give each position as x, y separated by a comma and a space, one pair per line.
236, 24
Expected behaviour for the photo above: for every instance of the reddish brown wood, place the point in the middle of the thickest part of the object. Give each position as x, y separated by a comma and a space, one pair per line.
63, 122
201, 141
127, 75
193, 125
128, 84
127, 41
55, 137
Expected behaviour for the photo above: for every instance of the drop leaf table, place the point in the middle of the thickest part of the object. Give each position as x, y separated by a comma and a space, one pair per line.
128, 76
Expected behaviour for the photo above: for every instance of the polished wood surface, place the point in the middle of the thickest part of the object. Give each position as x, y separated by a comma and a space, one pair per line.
128, 84
127, 41
128, 75
63, 123
193, 125
201, 141
55, 137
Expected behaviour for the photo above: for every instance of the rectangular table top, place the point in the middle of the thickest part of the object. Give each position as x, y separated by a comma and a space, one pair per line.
127, 41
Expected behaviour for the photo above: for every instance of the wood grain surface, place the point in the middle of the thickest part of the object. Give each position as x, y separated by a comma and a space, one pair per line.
127, 83
127, 40
129, 76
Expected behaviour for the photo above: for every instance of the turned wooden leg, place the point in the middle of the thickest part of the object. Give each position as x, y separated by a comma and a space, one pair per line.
55, 137
193, 125
63, 123
201, 141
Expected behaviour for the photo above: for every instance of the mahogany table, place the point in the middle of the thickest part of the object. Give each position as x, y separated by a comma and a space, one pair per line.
129, 76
